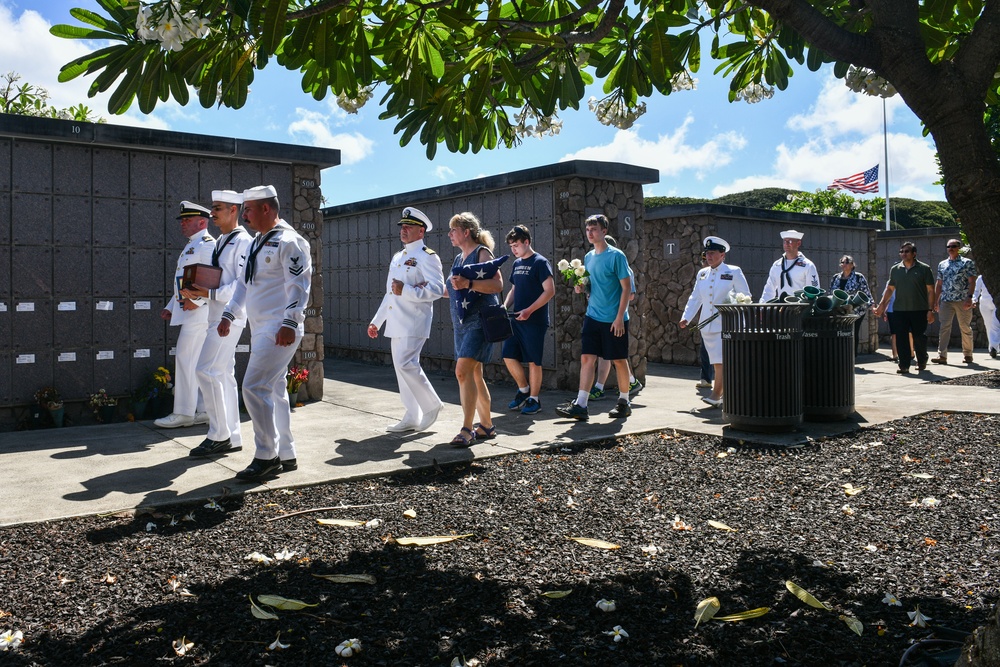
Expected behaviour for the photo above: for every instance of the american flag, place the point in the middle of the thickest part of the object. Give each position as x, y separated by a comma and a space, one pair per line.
866, 181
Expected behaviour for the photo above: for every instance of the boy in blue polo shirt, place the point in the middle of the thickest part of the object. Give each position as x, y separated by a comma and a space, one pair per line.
531, 290
605, 326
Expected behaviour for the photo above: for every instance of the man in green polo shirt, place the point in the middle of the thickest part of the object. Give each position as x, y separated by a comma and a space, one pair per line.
912, 282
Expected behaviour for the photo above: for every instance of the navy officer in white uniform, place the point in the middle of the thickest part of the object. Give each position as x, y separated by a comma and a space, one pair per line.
713, 285
191, 315
791, 272
414, 283
272, 293
217, 364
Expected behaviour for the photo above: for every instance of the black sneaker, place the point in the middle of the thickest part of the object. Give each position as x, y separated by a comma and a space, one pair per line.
573, 411
288, 465
260, 468
213, 447
519, 398
623, 409
634, 388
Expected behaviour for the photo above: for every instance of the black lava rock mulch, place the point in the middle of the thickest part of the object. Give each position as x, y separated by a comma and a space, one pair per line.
907, 511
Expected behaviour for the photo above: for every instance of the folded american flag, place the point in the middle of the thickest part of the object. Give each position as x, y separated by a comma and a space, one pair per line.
479, 271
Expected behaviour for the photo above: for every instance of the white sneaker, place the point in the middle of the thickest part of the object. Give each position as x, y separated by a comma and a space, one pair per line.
201, 418
704, 384
401, 427
174, 420
429, 418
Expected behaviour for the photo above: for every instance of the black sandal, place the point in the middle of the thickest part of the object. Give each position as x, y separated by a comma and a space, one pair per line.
462, 440
487, 433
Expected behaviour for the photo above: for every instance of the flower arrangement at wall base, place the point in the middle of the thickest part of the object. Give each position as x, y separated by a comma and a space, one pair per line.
50, 400
295, 378
103, 406
146, 400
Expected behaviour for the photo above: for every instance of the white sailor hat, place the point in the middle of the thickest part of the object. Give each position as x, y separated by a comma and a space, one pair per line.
414, 216
260, 192
715, 243
227, 196
192, 210
792, 234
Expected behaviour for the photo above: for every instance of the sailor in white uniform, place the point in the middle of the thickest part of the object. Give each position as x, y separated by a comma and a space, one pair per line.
217, 364
791, 272
272, 294
713, 285
987, 308
191, 315
414, 283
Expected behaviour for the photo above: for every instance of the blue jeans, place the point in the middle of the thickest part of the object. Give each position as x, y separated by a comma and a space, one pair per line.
707, 369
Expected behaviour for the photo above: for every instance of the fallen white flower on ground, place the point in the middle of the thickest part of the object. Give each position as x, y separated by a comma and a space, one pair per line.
348, 647
258, 557
891, 599
11, 639
182, 646
917, 618
284, 554
606, 605
276, 645
617, 633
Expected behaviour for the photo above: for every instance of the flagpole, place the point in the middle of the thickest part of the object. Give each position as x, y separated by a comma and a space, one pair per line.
885, 176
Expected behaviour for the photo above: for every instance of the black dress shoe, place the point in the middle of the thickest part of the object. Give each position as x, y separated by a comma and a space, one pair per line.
288, 465
212, 447
260, 468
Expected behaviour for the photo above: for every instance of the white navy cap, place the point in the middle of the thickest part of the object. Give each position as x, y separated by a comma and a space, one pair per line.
414, 216
715, 243
227, 196
192, 210
260, 192
792, 234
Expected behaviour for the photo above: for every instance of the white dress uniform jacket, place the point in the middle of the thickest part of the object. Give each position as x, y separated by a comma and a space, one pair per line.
711, 287
988, 310
232, 249
197, 251
279, 291
786, 276
409, 314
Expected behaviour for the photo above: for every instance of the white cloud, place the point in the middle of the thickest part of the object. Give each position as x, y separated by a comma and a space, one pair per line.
443, 173
843, 136
314, 128
671, 154
28, 49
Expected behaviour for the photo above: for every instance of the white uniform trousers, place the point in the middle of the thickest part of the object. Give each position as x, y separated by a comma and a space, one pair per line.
265, 394
217, 380
187, 400
415, 390
988, 309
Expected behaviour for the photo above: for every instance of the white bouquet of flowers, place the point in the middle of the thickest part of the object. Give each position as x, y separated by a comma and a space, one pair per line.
733, 298
573, 272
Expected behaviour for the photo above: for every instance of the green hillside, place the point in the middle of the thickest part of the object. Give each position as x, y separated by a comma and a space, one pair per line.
906, 213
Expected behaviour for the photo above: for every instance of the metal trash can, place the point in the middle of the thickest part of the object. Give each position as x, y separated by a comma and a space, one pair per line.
762, 365
828, 360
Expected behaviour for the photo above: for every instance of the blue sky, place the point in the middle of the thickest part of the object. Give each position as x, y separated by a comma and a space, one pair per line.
703, 146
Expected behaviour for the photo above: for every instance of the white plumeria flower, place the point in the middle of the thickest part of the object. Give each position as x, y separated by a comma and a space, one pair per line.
212, 505
173, 520
170, 34
652, 549
871, 547
276, 645
570, 502
188, 517
891, 600
150, 527
848, 510
617, 633
284, 554
348, 647
182, 646
917, 618
258, 557
930, 502
11, 639
374, 523
606, 605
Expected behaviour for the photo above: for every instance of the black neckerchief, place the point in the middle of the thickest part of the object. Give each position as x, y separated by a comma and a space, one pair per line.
255, 249
218, 249
787, 273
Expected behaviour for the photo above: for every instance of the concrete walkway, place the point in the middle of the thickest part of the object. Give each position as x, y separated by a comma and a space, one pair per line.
57, 473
